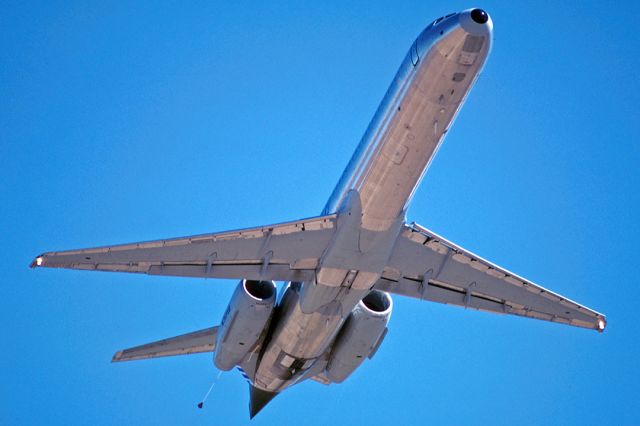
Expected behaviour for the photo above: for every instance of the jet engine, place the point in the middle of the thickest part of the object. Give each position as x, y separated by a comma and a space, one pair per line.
360, 336
244, 322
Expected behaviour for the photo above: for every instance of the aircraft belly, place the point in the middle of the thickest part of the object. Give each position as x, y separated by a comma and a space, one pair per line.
303, 337
410, 124
414, 134
370, 201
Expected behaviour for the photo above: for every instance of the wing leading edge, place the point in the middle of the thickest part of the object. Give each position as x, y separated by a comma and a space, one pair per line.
283, 252
426, 266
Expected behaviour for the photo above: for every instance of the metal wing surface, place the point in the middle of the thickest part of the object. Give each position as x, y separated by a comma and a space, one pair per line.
283, 252
428, 267
190, 343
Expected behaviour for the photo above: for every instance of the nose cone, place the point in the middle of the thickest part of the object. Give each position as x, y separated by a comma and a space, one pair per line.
476, 22
479, 16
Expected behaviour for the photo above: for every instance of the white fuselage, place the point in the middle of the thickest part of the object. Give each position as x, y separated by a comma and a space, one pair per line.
373, 193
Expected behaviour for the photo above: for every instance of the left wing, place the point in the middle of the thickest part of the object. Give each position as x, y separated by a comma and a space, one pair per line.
428, 267
283, 252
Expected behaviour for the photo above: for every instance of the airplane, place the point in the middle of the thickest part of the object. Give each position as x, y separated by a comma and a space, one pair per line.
342, 267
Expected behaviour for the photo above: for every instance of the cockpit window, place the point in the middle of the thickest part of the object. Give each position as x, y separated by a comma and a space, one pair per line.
442, 18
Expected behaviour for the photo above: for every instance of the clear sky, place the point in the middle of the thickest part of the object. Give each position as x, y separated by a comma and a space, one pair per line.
132, 122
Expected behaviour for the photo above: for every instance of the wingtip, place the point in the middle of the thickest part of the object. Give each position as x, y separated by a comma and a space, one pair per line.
117, 357
38, 261
602, 324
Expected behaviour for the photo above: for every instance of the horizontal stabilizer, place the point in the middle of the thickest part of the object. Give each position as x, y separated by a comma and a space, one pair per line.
190, 343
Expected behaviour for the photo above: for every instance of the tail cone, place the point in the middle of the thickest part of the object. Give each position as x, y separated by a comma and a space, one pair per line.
258, 399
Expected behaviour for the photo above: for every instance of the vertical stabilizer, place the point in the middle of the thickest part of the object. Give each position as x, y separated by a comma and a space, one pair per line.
258, 398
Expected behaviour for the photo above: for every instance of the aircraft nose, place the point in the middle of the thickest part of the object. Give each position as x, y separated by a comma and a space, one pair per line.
476, 22
479, 16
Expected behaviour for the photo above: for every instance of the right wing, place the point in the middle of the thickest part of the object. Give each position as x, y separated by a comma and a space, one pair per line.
428, 267
283, 252
190, 343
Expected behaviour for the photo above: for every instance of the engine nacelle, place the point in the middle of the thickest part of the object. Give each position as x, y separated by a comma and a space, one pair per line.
360, 336
244, 322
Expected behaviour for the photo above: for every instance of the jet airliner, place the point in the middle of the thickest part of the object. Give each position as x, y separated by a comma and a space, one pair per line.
342, 266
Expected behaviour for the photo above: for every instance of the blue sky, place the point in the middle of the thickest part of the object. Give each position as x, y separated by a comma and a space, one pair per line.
123, 123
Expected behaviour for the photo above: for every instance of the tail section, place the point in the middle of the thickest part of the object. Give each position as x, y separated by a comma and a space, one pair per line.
258, 399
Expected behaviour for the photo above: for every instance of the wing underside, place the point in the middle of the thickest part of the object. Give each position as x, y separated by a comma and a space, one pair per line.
428, 267
282, 252
423, 265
